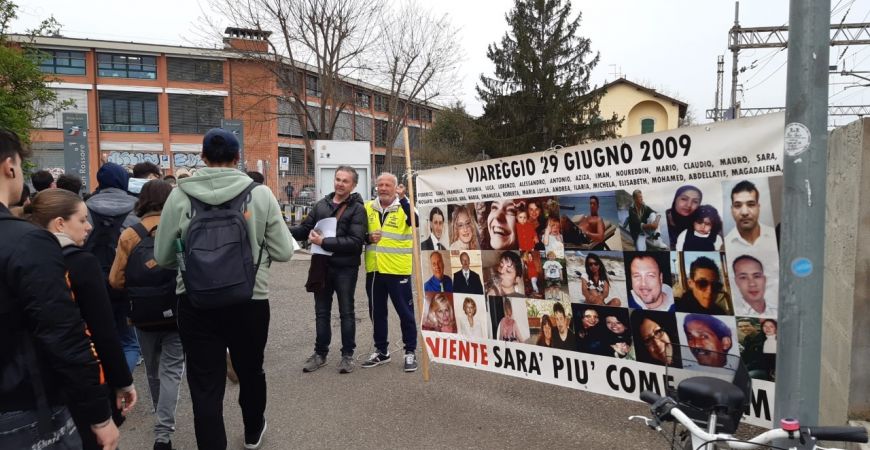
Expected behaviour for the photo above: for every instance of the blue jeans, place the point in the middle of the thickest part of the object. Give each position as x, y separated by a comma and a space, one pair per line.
342, 281
127, 334
398, 287
19, 430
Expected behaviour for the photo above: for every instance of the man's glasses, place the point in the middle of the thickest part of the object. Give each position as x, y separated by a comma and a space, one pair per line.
704, 284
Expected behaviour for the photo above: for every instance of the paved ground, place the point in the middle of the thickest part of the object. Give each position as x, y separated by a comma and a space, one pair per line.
384, 407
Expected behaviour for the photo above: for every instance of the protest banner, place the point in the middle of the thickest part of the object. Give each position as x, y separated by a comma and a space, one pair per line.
588, 266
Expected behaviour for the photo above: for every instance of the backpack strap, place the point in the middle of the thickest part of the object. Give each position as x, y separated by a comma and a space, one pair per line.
242, 199
140, 230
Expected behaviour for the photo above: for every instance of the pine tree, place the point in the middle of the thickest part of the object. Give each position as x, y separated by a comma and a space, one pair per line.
540, 94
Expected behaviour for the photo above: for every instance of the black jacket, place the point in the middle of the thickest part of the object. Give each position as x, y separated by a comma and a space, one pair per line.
474, 286
89, 290
347, 245
35, 306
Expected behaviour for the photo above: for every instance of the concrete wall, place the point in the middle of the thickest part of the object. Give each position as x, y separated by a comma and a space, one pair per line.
845, 364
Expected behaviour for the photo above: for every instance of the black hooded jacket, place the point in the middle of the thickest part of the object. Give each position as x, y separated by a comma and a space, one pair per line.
349, 235
37, 311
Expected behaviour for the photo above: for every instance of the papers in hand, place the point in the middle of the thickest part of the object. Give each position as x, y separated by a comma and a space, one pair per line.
326, 228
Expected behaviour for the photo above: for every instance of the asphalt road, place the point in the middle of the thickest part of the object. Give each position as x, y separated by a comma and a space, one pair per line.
384, 407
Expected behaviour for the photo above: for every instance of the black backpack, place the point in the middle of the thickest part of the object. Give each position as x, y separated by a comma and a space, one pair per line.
150, 288
102, 242
218, 267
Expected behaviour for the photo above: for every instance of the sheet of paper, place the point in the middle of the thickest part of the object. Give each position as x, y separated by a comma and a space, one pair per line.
326, 228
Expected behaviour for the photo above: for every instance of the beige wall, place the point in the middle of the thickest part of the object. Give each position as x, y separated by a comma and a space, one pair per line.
635, 105
845, 361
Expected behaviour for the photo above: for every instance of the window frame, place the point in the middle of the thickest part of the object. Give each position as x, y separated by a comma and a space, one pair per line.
42, 56
129, 100
119, 66
647, 120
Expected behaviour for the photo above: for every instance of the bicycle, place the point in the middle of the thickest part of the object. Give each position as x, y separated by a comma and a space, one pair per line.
706, 410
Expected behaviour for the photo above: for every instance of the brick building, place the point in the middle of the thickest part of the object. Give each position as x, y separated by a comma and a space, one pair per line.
147, 102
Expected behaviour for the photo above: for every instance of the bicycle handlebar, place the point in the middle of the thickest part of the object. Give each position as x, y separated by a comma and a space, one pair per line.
845, 434
650, 397
828, 433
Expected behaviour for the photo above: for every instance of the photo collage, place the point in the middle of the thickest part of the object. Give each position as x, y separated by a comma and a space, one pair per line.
625, 274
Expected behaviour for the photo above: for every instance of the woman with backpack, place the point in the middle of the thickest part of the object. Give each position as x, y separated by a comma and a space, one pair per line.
66, 216
153, 307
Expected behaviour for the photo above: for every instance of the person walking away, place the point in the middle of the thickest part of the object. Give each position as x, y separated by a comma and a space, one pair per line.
64, 214
153, 308
336, 272
45, 356
223, 283
388, 269
110, 211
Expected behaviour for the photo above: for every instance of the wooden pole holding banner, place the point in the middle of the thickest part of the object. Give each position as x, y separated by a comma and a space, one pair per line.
418, 274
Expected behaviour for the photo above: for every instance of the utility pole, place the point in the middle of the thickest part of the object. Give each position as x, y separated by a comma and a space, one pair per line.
734, 34
720, 75
802, 245
777, 37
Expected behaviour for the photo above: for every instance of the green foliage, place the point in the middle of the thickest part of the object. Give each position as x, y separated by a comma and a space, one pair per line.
24, 95
454, 138
540, 95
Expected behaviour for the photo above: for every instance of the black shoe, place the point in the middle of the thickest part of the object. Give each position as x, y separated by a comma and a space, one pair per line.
163, 445
254, 440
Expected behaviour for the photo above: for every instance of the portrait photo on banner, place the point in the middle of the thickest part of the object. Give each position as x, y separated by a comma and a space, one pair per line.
509, 319
438, 313
709, 340
641, 218
503, 273
590, 221
463, 228
434, 234
752, 243
533, 273
468, 270
694, 216
650, 280
472, 316
436, 271
701, 283
757, 339
656, 338
596, 277
604, 331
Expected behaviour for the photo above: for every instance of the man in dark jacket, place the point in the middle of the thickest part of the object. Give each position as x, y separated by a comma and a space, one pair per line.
340, 270
110, 200
45, 356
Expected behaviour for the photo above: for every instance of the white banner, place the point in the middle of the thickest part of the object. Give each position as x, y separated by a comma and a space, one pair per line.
589, 266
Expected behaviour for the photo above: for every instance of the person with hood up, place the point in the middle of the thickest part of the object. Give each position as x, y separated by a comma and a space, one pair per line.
338, 271
242, 327
112, 201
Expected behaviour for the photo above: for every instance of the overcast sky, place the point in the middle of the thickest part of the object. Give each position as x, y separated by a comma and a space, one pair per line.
670, 45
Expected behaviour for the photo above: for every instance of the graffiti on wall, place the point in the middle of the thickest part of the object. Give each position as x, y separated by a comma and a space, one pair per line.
187, 160
130, 159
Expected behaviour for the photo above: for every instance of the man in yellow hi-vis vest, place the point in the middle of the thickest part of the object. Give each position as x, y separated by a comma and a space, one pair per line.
388, 269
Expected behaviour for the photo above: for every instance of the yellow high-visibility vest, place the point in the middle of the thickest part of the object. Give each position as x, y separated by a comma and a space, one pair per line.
392, 254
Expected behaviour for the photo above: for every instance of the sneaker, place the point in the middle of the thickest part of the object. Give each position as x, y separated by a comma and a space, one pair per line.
346, 365
163, 445
255, 440
314, 362
376, 360
410, 362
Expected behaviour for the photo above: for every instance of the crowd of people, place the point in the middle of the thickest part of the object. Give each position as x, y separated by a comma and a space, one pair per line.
172, 272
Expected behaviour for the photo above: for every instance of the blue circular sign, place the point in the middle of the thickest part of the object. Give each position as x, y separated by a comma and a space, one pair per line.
802, 267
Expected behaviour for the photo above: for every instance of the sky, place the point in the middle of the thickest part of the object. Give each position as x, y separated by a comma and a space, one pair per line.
668, 45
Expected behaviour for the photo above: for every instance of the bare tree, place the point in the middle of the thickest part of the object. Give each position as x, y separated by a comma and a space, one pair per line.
417, 58
326, 38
